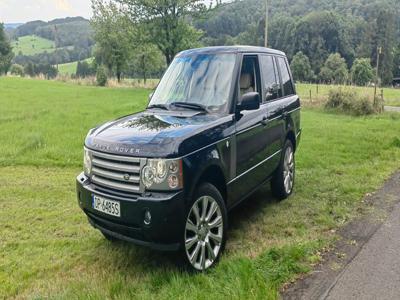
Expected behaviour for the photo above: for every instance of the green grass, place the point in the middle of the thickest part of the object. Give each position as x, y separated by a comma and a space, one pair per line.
70, 68
32, 44
48, 249
391, 95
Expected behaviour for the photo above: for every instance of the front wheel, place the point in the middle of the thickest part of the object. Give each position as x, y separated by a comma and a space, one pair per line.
283, 182
205, 228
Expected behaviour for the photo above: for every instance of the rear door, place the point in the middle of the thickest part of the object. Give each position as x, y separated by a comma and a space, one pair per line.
272, 109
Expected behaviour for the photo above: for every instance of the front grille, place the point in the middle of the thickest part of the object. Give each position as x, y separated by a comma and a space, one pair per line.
114, 172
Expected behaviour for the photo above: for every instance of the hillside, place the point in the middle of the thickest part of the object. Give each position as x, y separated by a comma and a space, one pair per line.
70, 68
37, 41
67, 31
354, 29
32, 44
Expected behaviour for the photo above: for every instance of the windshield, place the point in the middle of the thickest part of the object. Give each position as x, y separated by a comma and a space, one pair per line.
204, 80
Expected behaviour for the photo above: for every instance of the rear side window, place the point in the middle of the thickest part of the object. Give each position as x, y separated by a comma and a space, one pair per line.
286, 80
272, 87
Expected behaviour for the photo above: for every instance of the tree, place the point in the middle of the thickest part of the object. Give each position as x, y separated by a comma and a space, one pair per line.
396, 62
29, 69
319, 34
385, 38
165, 23
83, 69
113, 33
362, 72
101, 76
17, 70
301, 68
147, 59
6, 54
334, 69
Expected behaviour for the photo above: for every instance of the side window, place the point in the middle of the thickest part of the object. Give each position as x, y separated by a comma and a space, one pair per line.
285, 75
272, 87
250, 76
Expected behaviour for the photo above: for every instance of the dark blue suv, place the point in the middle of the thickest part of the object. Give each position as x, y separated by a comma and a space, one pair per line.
222, 122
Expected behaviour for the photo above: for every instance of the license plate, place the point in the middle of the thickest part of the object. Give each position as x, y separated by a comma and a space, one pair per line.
106, 206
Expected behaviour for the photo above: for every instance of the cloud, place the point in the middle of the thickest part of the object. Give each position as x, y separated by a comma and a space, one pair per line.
63, 5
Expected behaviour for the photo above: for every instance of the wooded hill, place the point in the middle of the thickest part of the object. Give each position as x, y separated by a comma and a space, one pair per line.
352, 28
72, 39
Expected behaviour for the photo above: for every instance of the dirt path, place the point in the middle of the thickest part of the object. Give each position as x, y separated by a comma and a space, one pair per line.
392, 108
365, 263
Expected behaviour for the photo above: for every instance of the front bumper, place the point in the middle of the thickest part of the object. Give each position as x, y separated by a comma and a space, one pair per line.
167, 211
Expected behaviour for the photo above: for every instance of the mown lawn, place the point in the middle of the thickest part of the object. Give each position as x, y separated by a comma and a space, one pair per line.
390, 95
48, 249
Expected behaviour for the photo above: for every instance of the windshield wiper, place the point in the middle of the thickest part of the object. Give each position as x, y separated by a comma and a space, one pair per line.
161, 106
194, 106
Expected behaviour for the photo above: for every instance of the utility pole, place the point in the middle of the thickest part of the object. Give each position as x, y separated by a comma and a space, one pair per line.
266, 23
378, 53
56, 44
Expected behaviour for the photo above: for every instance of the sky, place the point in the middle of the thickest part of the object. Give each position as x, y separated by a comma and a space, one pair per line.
21, 11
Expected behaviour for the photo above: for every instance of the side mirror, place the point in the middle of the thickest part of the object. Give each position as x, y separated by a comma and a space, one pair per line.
249, 101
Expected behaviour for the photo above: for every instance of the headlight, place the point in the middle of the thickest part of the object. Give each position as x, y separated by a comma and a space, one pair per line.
87, 162
162, 174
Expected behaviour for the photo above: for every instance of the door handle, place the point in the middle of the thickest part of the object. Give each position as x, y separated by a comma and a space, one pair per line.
284, 114
264, 120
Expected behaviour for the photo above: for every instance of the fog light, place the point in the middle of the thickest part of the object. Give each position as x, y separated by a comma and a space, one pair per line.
147, 217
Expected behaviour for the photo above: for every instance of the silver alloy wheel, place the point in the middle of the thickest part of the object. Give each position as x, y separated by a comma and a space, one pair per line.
288, 170
204, 233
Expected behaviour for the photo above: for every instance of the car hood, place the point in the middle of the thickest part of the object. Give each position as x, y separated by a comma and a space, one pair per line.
155, 133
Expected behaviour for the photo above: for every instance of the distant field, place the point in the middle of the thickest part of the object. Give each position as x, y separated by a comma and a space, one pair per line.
32, 44
391, 95
48, 249
70, 68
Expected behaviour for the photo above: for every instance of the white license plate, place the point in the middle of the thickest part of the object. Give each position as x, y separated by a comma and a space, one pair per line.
106, 206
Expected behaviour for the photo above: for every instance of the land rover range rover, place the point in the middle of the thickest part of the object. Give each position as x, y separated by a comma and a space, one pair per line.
222, 122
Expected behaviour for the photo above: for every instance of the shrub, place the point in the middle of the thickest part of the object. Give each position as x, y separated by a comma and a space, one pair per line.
17, 70
351, 102
362, 72
101, 76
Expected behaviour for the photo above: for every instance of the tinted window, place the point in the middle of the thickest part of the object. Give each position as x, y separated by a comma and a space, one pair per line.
250, 76
272, 87
286, 80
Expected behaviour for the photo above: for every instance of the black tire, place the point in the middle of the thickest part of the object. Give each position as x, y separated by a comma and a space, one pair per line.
278, 186
208, 230
109, 237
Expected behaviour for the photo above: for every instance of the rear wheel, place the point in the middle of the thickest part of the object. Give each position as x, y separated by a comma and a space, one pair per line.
283, 182
205, 228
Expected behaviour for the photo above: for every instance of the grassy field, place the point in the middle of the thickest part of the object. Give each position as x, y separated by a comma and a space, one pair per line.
48, 249
391, 95
32, 44
70, 68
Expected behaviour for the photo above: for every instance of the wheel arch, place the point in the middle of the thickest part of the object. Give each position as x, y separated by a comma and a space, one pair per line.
291, 137
214, 175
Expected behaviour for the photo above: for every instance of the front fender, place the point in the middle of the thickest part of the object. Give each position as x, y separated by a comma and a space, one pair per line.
195, 164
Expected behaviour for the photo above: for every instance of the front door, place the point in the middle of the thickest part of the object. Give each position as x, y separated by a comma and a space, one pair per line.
251, 144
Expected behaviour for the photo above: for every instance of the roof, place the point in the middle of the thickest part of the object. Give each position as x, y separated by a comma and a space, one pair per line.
231, 49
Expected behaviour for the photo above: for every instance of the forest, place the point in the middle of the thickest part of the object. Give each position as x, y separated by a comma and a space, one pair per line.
334, 41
